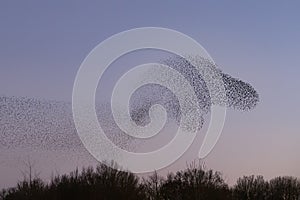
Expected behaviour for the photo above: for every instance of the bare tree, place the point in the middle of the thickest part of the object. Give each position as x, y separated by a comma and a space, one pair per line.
153, 186
29, 173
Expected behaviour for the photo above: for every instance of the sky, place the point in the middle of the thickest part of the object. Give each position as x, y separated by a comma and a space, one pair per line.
42, 45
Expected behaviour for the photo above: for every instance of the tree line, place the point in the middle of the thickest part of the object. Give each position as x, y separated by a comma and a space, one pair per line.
194, 183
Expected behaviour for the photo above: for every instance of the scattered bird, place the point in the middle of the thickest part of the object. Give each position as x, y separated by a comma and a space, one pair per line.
43, 124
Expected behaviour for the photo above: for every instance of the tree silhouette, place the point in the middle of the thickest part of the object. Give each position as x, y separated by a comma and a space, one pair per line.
251, 187
282, 188
152, 186
105, 182
195, 183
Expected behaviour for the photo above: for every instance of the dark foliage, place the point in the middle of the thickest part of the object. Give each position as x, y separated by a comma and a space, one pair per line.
102, 183
280, 188
194, 183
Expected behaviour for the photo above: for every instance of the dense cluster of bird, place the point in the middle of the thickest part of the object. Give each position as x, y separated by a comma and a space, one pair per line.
28, 122
238, 94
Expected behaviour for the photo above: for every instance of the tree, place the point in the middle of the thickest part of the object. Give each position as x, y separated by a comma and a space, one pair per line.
251, 187
152, 186
282, 188
195, 183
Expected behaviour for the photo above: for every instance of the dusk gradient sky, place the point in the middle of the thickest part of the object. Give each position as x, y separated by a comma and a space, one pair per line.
42, 45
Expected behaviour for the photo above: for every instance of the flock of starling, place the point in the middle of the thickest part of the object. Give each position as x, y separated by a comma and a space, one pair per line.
42, 124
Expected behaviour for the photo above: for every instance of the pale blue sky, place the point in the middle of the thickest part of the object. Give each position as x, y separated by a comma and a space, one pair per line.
42, 45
